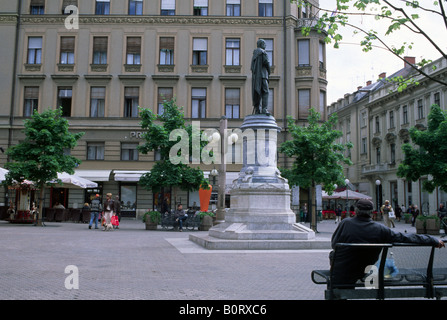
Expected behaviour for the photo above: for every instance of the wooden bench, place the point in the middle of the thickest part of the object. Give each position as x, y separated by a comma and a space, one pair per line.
412, 282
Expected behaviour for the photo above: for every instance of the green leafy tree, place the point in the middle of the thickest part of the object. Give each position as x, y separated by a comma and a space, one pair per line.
427, 155
165, 173
318, 158
41, 155
397, 16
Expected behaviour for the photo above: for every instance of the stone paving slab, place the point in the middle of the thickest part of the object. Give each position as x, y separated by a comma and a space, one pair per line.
135, 264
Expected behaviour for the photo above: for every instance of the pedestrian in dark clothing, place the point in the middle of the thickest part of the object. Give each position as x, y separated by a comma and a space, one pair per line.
351, 262
95, 209
414, 213
180, 216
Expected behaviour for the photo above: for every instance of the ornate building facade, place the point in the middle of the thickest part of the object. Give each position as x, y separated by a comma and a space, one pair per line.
376, 119
99, 60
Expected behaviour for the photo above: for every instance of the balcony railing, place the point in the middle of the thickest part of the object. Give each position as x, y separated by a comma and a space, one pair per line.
375, 168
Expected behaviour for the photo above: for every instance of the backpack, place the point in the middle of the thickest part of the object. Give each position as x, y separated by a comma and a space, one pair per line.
96, 205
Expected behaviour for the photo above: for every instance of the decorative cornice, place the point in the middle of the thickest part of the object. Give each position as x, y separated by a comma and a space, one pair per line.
8, 18
125, 19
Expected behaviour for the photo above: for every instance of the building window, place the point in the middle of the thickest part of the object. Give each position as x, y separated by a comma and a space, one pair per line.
164, 95
167, 7
37, 7
128, 197
131, 101
133, 50
393, 153
321, 49
306, 10
34, 50
391, 115
303, 53
129, 151
102, 7
420, 109
377, 124
67, 3
437, 98
31, 101
67, 50
232, 103
199, 53
100, 50
166, 50
404, 115
266, 8
269, 50
363, 119
364, 146
233, 8
303, 103
95, 151
322, 103
198, 103
97, 101
64, 97
200, 8
135, 7
232, 53
378, 155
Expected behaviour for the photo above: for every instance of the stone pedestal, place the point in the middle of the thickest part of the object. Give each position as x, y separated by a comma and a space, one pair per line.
260, 216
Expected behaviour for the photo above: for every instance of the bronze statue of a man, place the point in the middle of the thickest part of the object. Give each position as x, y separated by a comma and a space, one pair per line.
260, 68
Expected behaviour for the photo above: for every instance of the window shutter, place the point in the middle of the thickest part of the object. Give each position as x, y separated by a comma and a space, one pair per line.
100, 44
167, 43
31, 92
67, 44
130, 92
133, 45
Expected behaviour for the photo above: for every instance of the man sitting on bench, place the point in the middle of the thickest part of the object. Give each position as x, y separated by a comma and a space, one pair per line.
351, 262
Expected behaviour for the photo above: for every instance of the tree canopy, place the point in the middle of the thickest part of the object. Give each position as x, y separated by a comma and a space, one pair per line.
42, 154
427, 154
165, 173
318, 158
395, 16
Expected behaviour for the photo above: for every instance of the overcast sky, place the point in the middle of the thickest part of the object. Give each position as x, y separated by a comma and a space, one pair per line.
349, 67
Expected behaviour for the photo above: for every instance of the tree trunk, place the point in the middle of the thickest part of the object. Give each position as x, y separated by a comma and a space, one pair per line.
41, 204
312, 208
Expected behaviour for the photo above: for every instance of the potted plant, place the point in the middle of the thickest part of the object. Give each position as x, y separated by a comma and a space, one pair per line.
152, 218
420, 224
407, 217
432, 224
206, 220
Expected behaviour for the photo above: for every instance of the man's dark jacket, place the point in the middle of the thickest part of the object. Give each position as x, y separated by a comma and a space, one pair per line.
351, 262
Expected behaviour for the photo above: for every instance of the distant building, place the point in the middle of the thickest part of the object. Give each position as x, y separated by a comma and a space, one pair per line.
376, 119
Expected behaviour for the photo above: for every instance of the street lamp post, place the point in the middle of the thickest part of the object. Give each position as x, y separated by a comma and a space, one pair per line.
220, 212
347, 196
377, 195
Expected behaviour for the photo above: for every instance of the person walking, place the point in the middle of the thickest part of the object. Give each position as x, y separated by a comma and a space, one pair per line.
109, 207
338, 214
414, 213
385, 210
95, 209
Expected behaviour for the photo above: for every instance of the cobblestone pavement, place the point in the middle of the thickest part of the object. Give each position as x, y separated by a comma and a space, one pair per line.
132, 263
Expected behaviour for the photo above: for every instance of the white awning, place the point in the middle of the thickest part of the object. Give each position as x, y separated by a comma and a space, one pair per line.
131, 176
94, 175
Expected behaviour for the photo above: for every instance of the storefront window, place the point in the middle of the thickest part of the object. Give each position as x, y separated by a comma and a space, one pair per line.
128, 198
